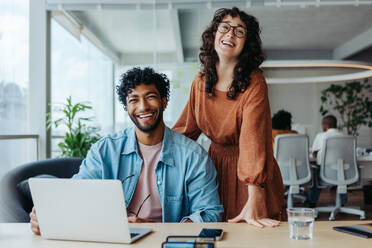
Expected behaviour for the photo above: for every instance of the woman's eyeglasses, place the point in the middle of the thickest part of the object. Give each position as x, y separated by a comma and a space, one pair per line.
143, 202
238, 31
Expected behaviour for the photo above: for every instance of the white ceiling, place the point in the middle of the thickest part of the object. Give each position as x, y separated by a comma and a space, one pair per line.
132, 31
293, 27
287, 32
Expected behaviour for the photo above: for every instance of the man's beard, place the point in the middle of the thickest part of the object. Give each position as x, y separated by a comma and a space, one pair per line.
149, 128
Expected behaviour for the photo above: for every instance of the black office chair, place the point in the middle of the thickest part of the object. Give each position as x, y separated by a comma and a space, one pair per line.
15, 200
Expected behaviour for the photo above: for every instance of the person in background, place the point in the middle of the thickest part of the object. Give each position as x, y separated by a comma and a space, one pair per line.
166, 176
329, 128
282, 123
229, 103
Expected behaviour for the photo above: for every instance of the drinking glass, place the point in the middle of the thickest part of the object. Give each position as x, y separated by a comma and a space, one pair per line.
301, 222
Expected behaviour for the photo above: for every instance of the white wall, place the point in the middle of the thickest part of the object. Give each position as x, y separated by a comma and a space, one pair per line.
303, 101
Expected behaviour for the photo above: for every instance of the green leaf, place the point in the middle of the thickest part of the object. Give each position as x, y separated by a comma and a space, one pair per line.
351, 101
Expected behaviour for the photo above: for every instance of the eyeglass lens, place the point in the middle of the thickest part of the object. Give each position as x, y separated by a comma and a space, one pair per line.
140, 207
238, 31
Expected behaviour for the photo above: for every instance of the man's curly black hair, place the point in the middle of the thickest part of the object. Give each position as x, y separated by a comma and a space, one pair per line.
282, 120
136, 76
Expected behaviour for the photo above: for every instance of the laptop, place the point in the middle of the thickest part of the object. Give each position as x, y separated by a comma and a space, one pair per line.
83, 210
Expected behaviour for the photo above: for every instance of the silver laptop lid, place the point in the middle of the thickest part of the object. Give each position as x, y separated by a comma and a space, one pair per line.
86, 210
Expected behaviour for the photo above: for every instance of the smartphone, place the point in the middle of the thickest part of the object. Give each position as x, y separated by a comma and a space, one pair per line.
188, 242
187, 245
208, 232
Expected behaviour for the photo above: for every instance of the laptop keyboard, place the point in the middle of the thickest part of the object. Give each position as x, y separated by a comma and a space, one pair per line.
132, 235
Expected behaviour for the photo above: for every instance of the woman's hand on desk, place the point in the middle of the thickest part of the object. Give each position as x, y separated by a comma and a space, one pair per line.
34, 222
253, 210
134, 219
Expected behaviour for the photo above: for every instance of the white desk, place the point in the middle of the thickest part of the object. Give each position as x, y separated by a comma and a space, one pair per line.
365, 166
236, 235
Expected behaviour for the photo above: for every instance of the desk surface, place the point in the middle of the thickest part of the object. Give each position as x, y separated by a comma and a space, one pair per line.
362, 159
236, 235
366, 158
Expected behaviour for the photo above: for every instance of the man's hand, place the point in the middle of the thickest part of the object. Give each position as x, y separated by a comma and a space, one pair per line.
134, 219
34, 222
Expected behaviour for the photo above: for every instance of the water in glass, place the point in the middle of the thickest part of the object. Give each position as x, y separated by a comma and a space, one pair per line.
301, 222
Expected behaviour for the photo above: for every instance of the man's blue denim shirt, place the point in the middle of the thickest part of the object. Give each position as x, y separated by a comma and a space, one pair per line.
185, 175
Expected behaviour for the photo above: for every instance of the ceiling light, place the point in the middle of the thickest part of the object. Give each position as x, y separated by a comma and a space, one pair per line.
313, 64
278, 3
209, 5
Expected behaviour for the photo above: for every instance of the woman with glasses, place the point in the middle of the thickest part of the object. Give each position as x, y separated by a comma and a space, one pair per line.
229, 104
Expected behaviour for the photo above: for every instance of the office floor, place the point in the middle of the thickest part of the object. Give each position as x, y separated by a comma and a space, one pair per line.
328, 197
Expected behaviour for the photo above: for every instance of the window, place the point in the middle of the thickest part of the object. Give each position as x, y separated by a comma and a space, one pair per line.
14, 83
80, 70
13, 66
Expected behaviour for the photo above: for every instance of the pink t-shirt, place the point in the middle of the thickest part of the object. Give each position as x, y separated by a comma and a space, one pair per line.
146, 185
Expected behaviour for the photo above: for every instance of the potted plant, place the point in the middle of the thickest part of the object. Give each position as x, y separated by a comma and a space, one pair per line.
79, 137
354, 107
352, 104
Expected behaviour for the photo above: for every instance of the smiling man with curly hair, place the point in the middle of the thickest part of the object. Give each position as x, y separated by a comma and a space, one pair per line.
166, 176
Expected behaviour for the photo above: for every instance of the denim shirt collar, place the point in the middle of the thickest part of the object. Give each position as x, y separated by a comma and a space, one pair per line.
166, 150
131, 143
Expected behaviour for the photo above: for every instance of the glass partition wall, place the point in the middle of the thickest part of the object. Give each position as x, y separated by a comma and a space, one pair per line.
83, 72
92, 47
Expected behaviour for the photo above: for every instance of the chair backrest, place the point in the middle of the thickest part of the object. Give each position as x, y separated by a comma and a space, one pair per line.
338, 160
14, 205
291, 153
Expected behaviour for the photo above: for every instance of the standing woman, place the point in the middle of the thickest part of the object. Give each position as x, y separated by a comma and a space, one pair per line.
229, 104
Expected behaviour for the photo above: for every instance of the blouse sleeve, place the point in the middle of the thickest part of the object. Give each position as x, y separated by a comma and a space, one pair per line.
187, 124
254, 143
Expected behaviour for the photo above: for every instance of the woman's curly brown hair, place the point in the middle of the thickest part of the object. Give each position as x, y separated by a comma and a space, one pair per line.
250, 58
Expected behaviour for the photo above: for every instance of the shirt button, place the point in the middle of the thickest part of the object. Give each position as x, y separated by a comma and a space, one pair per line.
159, 182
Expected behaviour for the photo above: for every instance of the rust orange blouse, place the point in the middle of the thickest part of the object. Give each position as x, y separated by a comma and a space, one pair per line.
241, 148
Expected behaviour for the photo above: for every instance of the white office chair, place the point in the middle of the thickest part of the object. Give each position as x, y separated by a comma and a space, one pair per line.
291, 153
338, 167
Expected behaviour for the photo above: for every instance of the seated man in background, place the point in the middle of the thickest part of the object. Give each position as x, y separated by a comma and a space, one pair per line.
329, 127
166, 176
281, 124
